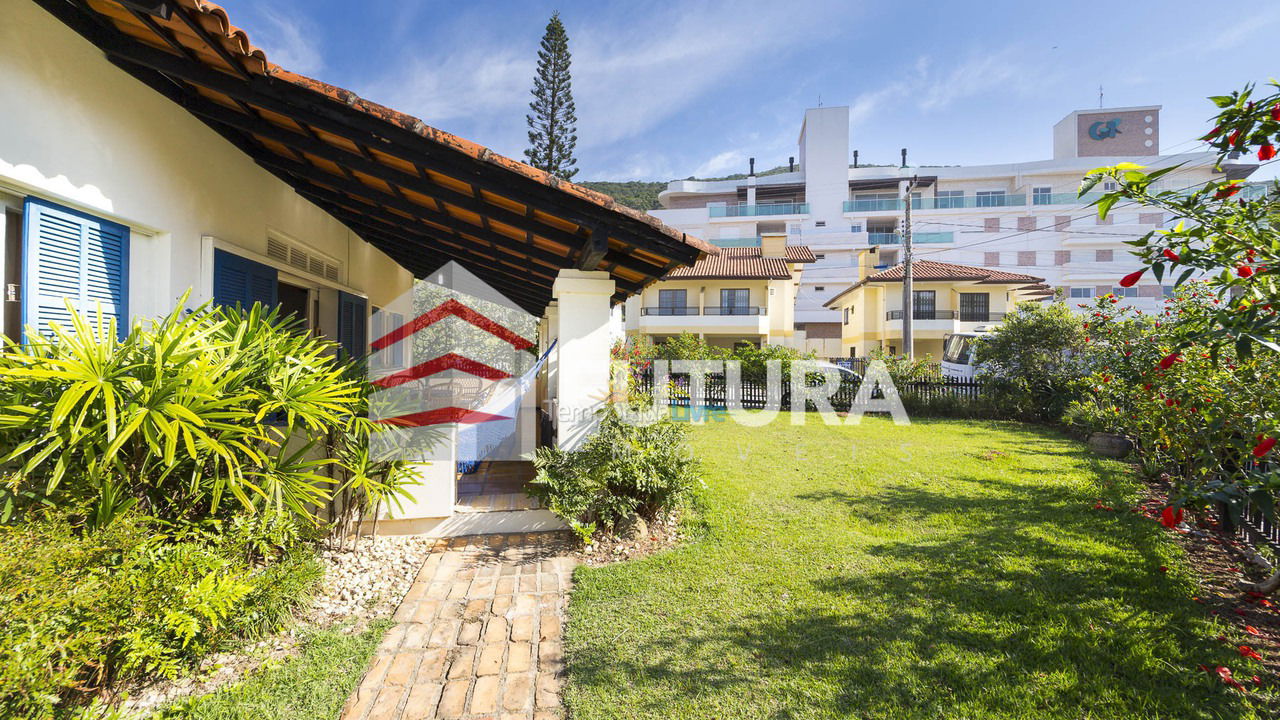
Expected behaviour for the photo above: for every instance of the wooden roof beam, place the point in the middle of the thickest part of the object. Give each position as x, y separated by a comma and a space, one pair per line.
306, 106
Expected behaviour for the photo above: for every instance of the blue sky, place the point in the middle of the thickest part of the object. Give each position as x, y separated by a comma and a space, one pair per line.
667, 90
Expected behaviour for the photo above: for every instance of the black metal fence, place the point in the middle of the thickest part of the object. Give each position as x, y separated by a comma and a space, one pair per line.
754, 395
1255, 524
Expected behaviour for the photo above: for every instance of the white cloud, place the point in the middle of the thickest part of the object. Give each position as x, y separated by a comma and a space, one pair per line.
1005, 71
627, 76
290, 40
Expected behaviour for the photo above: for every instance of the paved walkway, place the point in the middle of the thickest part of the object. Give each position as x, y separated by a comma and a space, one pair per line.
477, 635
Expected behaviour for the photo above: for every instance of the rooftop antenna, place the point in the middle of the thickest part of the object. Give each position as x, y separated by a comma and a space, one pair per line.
855, 158
1099, 97
819, 99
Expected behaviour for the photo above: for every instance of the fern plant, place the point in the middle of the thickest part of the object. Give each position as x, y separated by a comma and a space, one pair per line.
178, 418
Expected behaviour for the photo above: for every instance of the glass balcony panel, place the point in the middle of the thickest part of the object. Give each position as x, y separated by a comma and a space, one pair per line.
758, 210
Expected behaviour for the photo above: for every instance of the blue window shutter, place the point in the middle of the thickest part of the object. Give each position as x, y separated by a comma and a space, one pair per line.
73, 255
241, 280
353, 313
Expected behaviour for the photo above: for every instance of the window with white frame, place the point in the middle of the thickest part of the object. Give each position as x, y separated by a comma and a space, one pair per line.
1081, 292
949, 199
1127, 292
1041, 195
991, 198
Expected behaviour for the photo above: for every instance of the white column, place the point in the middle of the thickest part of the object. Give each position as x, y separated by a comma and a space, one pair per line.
581, 380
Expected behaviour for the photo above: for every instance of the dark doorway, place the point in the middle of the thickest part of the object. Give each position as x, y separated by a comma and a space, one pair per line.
11, 283
294, 301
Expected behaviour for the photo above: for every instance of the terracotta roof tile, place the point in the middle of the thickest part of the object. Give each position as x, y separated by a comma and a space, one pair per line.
745, 264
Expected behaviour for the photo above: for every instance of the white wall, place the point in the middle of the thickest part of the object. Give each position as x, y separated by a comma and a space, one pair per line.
824, 157
80, 131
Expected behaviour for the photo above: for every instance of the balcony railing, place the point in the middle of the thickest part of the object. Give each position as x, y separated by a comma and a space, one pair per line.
673, 310
872, 205
709, 310
970, 201
923, 315
1064, 198
732, 310
736, 242
758, 210
962, 315
929, 238
939, 203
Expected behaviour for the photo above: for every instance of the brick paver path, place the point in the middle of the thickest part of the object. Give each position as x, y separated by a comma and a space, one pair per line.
477, 635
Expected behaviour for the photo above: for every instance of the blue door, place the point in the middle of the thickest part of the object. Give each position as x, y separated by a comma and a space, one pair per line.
353, 313
76, 257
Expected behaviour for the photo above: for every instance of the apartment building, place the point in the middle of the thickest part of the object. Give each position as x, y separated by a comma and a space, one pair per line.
743, 295
1018, 217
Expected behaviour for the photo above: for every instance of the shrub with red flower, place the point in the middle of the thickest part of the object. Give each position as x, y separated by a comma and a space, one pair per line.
1200, 414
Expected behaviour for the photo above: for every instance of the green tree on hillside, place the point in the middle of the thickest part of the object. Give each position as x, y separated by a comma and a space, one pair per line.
553, 122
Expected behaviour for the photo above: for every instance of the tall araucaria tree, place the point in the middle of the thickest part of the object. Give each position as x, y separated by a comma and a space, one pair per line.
553, 122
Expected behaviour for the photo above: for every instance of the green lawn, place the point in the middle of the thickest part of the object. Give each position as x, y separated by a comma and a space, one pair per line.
313, 684
947, 569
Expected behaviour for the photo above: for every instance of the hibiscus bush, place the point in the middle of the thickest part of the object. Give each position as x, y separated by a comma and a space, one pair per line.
1204, 415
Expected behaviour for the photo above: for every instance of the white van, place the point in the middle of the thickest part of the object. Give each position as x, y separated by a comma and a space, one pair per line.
957, 354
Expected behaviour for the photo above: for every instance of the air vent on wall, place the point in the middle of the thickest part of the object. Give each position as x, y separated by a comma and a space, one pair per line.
302, 259
277, 250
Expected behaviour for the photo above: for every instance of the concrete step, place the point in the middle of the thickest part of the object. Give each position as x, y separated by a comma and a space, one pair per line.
497, 522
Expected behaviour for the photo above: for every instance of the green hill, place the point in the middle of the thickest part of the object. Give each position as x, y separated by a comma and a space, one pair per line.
632, 193
643, 195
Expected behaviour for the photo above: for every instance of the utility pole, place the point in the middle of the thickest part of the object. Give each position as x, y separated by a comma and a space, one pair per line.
908, 296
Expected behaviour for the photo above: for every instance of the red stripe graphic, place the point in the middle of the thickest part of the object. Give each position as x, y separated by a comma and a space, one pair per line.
443, 310
448, 361
442, 416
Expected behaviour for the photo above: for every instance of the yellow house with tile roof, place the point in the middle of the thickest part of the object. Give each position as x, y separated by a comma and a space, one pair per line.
742, 295
947, 298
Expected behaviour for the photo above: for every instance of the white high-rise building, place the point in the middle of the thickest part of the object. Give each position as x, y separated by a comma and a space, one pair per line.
1023, 217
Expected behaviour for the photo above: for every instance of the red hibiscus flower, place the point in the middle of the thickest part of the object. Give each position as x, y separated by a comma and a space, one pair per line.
1225, 674
1246, 651
1132, 278
1168, 360
1171, 255
1244, 271
1233, 137
1264, 446
1267, 151
1169, 517
1275, 112
1226, 191
1251, 630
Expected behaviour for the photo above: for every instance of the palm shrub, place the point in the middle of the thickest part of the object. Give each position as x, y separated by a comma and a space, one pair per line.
178, 418
622, 471
369, 475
